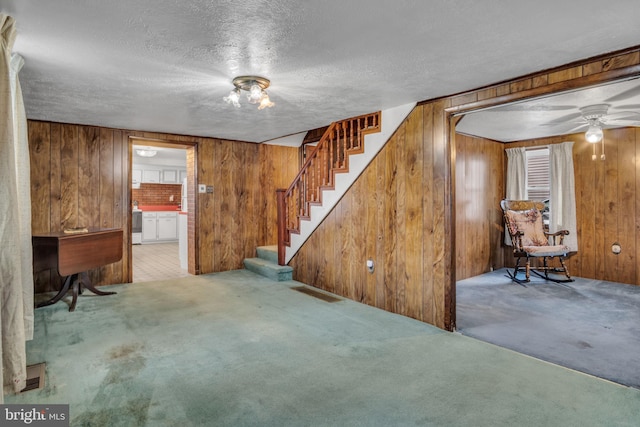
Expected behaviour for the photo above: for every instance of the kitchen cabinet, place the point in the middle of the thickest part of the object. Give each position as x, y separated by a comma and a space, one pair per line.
167, 225
159, 226
151, 176
170, 176
136, 176
157, 174
149, 227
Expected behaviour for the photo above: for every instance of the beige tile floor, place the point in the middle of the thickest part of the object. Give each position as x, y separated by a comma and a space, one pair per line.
157, 261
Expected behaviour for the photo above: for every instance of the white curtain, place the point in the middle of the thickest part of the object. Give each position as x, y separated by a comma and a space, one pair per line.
516, 178
16, 278
562, 203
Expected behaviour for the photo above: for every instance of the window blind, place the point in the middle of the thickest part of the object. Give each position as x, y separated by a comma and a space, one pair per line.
538, 174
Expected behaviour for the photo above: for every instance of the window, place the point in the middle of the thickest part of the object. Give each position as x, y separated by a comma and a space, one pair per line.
538, 174
538, 178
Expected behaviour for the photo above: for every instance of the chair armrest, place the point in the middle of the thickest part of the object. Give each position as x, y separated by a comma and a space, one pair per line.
560, 234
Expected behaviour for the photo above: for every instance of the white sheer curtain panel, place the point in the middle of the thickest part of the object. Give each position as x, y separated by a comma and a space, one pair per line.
23, 183
562, 203
16, 279
516, 178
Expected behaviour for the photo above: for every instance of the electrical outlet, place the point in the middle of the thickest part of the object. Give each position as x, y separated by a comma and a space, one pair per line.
210, 189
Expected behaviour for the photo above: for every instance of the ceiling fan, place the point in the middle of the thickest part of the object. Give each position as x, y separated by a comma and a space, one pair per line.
594, 118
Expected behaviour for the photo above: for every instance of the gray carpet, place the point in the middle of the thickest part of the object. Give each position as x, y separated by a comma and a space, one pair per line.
588, 325
237, 349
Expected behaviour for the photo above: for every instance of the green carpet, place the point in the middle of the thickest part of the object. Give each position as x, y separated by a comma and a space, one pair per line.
237, 349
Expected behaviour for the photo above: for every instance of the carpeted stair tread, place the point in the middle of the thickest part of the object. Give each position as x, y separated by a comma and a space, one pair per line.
270, 253
269, 269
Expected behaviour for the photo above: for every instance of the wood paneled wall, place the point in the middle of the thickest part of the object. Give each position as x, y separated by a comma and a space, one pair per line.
394, 214
480, 186
414, 250
404, 201
607, 205
226, 218
80, 176
279, 165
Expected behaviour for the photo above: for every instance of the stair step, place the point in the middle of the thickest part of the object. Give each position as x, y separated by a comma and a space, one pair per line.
270, 253
273, 271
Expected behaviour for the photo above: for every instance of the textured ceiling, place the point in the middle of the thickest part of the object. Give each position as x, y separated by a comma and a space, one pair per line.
165, 65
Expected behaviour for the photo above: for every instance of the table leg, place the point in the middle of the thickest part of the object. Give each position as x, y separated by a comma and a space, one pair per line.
75, 282
61, 293
86, 282
75, 286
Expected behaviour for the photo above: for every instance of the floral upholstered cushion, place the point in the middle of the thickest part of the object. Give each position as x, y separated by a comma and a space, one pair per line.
540, 251
530, 223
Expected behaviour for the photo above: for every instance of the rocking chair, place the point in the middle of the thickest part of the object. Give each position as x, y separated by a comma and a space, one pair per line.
523, 219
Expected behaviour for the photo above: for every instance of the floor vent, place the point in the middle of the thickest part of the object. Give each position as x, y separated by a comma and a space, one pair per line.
316, 294
35, 377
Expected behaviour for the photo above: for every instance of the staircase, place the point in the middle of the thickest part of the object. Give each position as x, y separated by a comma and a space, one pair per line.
337, 161
266, 264
330, 157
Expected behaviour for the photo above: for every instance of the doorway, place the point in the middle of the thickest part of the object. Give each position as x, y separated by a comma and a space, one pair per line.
577, 324
162, 194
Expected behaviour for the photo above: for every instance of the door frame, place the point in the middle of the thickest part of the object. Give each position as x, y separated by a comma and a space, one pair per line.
493, 96
192, 208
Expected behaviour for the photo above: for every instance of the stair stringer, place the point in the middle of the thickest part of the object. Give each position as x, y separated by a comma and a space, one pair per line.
390, 120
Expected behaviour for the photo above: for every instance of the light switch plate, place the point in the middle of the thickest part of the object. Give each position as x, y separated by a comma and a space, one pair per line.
202, 188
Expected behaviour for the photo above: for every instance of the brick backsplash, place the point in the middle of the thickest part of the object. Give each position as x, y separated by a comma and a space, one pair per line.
157, 194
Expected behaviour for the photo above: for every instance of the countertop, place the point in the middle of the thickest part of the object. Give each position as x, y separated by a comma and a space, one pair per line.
158, 208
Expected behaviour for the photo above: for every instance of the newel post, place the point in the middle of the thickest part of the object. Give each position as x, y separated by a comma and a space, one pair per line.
282, 221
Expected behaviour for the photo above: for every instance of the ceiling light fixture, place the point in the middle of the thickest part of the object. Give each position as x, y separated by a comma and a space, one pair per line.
594, 133
146, 152
255, 86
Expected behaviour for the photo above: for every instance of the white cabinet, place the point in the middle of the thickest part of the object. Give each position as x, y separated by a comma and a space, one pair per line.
159, 226
157, 174
169, 176
167, 225
136, 176
151, 176
149, 227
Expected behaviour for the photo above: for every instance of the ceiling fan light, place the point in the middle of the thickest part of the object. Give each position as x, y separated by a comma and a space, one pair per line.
594, 134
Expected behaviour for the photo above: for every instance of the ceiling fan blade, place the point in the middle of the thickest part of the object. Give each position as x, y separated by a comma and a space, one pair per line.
565, 119
629, 93
623, 123
628, 107
565, 128
630, 115
577, 128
